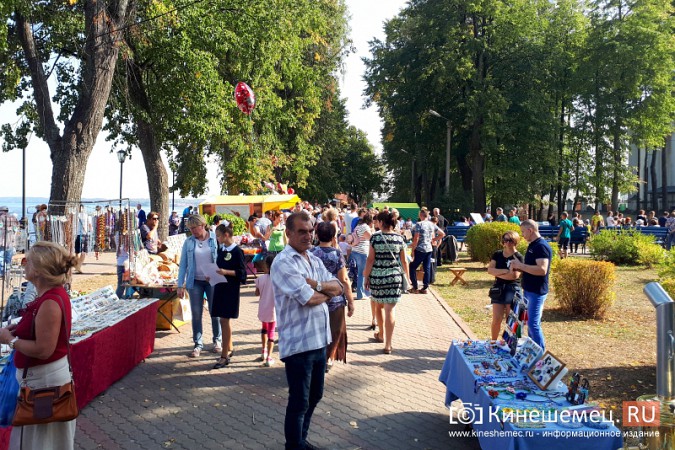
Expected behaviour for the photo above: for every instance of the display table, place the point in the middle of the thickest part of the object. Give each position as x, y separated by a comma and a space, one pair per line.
107, 356
461, 382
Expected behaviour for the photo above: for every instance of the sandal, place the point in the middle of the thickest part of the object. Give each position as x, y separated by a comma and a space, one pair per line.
222, 362
378, 337
229, 355
387, 351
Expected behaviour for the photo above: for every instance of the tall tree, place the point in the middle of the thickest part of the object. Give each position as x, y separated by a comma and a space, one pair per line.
79, 43
174, 90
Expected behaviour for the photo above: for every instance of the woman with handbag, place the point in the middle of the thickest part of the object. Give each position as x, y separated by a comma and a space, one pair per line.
334, 262
507, 283
41, 344
386, 275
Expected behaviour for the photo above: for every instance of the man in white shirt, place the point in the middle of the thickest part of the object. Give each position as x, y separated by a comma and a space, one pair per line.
302, 288
352, 212
82, 238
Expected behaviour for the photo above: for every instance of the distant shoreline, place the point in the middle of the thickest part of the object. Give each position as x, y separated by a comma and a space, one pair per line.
15, 203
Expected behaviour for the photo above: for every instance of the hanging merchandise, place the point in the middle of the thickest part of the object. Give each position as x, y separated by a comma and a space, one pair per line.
245, 98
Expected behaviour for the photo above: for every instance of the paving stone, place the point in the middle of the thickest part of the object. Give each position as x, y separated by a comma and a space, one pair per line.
375, 401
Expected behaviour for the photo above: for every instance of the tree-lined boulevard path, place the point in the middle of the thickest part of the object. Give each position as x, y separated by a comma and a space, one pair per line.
375, 401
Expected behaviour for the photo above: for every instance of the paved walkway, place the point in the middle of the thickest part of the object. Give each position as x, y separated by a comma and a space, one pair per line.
375, 401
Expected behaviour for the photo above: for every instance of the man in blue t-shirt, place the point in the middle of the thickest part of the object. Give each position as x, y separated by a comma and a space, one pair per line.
535, 269
564, 233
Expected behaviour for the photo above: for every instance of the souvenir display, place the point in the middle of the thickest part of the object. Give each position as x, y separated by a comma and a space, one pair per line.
154, 270
527, 354
101, 309
515, 322
545, 370
519, 397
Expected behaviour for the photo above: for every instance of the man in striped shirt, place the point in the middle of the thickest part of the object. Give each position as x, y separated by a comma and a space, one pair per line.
302, 286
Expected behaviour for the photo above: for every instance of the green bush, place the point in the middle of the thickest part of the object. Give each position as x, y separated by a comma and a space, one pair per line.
625, 248
238, 224
583, 287
486, 238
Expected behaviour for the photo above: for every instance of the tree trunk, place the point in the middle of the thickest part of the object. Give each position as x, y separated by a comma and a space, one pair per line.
646, 172
477, 168
561, 161
70, 152
616, 147
551, 201
638, 203
465, 174
158, 179
664, 180
652, 172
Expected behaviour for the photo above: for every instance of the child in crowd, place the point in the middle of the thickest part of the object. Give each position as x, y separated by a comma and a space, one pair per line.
266, 311
345, 248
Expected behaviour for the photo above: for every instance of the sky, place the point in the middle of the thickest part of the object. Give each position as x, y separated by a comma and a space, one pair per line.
366, 22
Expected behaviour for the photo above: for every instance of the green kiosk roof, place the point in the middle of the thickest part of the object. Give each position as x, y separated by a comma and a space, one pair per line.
406, 210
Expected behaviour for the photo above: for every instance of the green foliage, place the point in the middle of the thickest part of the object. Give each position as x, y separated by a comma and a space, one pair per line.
667, 267
348, 163
625, 248
529, 87
583, 288
486, 238
288, 54
237, 223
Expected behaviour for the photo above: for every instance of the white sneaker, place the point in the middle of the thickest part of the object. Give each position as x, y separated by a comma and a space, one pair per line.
262, 357
217, 348
269, 362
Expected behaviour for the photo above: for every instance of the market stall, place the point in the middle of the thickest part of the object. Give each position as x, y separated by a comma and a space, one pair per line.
154, 276
516, 401
246, 205
109, 338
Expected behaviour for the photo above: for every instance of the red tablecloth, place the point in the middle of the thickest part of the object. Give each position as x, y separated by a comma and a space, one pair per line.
107, 356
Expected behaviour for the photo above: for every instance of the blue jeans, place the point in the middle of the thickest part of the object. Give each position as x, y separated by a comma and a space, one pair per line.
360, 259
5, 258
197, 306
120, 289
670, 240
305, 375
535, 308
423, 258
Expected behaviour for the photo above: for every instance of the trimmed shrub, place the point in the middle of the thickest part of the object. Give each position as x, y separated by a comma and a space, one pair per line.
625, 248
583, 288
669, 286
486, 238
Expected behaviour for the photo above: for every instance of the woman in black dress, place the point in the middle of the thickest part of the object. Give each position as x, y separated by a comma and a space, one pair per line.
505, 279
231, 264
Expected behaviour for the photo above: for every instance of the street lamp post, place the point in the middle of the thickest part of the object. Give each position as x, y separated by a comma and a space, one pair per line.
448, 144
121, 157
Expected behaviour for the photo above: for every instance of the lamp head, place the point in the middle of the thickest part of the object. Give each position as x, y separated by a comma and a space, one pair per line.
121, 156
434, 113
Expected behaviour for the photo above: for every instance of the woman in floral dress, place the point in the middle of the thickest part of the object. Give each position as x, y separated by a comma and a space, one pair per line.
384, 272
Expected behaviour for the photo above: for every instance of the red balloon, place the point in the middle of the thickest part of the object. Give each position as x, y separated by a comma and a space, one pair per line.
245, 98
291, 191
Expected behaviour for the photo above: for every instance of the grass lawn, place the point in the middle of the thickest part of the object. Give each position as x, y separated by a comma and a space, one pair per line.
617, 355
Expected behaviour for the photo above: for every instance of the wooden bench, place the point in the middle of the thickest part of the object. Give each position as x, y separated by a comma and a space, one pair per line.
458, 272
548, 232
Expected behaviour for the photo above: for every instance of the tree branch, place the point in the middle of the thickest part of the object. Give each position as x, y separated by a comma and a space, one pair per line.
39, 80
